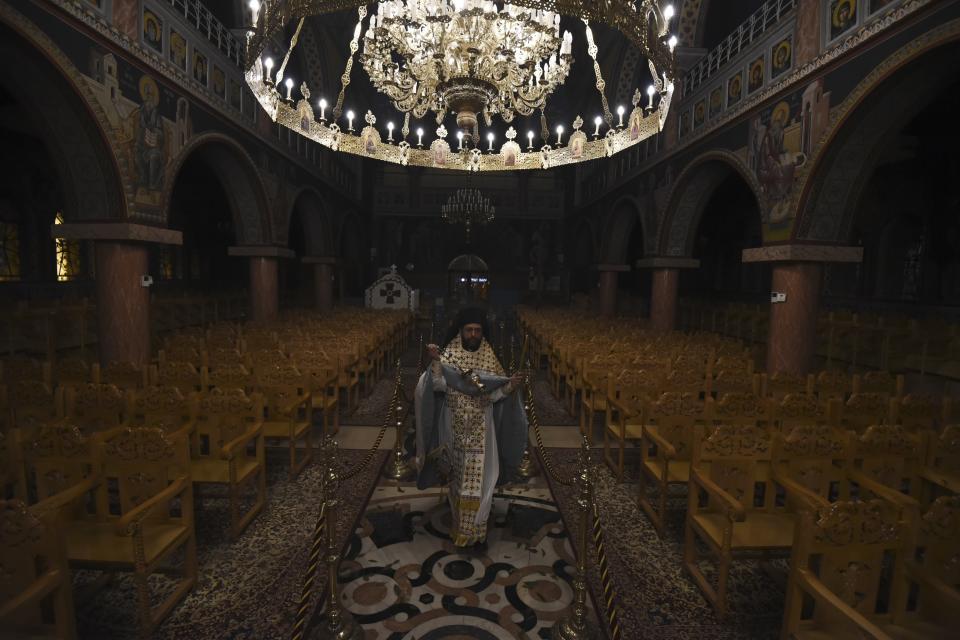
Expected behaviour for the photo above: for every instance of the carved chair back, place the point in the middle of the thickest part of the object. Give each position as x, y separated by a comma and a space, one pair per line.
223, 414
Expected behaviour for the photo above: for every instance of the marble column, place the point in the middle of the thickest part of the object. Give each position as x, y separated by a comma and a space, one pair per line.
123, 303
608, 287
797, 270
264, 289
264, 278
665, 277
792, 339
322, 281
121, 250
663, 299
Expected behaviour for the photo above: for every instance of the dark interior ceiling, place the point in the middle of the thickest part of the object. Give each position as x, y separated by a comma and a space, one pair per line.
723, 17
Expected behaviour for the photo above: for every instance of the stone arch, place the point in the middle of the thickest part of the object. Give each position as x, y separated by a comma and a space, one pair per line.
81, 141
240, 178
690, 194
689, 22
832, 180
311, 210
625, 215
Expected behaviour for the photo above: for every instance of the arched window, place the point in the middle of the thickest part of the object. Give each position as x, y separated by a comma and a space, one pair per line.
68, 256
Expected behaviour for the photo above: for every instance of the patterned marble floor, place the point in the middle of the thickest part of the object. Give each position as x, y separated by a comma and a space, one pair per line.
402, 578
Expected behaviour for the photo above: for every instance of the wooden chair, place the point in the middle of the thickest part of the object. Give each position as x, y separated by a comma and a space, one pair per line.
122, 375
288, 411
594, 386
217, 357
666, 445
838, 562
71, 371
36, 597
180, 353
741, 408
54, 457
185, 376
95, 407
229, 424
686, 381
917, 412
796, 409
813, 460
163, 407
323, 376
860, 411
832, 384
879, 382
627, 395
781, 384
733, 467
233, 376
728, 382
888, 461
942, 466
149, 472
32, 401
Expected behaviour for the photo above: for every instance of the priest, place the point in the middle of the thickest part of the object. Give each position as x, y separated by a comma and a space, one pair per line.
471, 425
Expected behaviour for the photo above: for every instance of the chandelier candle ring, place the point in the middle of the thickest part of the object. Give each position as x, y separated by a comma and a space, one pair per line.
471, 59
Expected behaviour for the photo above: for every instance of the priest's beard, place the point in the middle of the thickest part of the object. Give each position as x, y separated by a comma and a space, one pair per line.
470, 343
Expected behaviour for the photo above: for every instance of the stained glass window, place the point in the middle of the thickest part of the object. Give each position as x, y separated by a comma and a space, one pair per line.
9, 251
68, 256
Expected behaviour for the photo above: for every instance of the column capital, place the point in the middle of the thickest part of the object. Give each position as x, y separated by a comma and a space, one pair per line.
116, 231
612, 267
261, 251
331, 260
668, 262
803, 253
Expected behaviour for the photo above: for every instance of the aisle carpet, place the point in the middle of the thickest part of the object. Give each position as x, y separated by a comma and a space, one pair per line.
659, 600
248, 588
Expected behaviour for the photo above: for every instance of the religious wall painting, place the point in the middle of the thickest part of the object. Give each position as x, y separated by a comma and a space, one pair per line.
775, 153
734, 89
699, 113
843, 17
149, 143
219, 82
126, 18
781, 57
684, 122
440, 148
716, 101
152, 30
178, 50
199, 67
755, 75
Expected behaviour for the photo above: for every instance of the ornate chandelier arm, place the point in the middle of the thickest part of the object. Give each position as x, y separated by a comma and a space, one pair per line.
286, 57
601, 85
345, 78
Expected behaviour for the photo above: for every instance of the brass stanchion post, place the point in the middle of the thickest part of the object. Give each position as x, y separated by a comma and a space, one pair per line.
574, 626
340, 624
528, 468
397, 467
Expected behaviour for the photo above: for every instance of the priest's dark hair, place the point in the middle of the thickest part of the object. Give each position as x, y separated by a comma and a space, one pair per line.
468, 315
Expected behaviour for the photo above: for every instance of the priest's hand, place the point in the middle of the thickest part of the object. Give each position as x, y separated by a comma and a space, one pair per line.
433, 351
516, 379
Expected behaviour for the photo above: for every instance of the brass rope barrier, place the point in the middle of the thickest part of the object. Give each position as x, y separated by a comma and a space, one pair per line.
610, 596
391, 412
306, 593
574, 625
533, 420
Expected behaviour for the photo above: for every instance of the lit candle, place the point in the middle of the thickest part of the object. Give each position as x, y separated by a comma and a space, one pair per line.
289, 84
620, 111
559, 134
255, 10
349, 120
323, 105
419, 137
460, 140
672, 42
668, 12
389, 132
268, 65
650, 92
490, 140
530, 139
596, 122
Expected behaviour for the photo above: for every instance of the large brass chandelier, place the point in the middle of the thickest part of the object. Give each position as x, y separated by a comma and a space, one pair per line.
466, 58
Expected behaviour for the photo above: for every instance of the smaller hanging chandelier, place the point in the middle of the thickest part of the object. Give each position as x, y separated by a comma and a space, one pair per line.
468, 206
